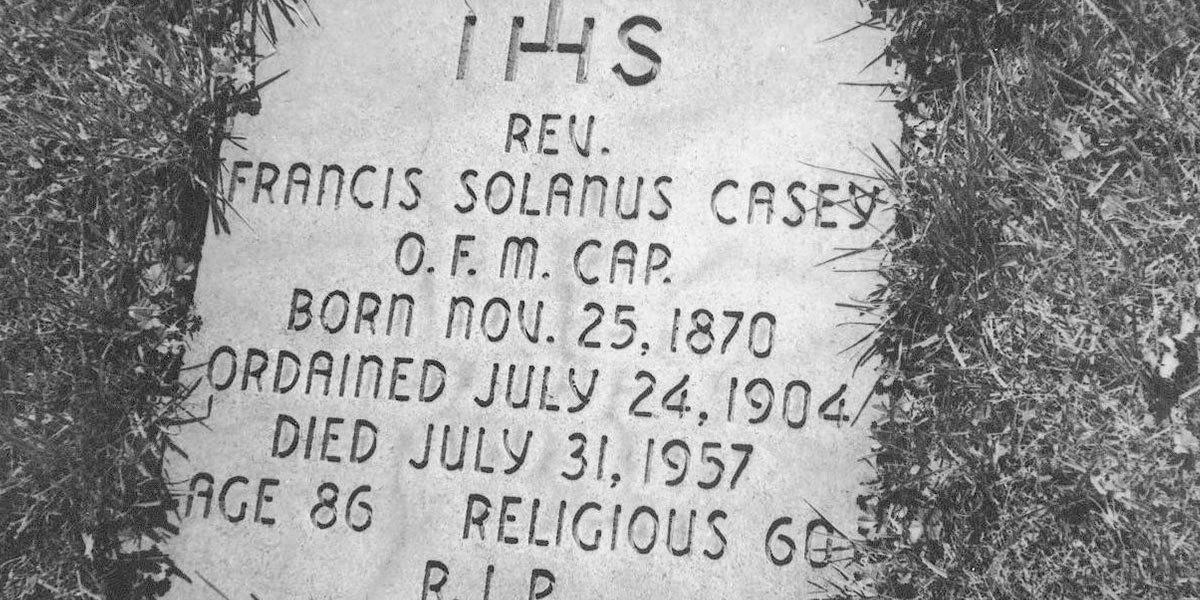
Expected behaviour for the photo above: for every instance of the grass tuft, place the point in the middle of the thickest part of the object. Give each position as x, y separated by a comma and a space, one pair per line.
111, 118
1040, 304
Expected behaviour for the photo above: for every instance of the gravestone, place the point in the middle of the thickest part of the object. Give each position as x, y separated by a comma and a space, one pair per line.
540, 299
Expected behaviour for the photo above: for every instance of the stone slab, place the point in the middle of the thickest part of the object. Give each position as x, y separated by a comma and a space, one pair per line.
532, 299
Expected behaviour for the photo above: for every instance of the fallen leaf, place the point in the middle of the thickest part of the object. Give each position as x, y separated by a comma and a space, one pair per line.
1186, 443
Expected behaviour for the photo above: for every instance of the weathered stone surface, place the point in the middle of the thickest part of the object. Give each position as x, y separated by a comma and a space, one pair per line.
638, 239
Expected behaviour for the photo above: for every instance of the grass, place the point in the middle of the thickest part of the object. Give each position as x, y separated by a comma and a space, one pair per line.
1040, 304
111, 117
